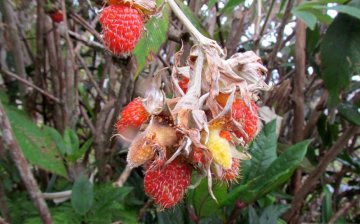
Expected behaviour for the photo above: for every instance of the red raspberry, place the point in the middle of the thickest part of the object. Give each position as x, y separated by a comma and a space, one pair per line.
132, 116
232, 173
247, 117
167, 185
122, 26
57, 16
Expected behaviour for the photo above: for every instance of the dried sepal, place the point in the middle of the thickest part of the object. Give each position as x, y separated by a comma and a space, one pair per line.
147, 7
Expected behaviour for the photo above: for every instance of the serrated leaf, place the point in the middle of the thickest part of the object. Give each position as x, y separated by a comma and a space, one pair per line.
152, 39
204, 204
340, 54
308, 18
350, 112
277, 174
82, 196
253, 216
271, 213
38, 147
263, 152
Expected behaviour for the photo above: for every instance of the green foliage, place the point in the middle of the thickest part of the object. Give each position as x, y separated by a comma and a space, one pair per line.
153, 38
274, 173
350, 112
35, 143
204, 205
263, 152
269, 215
231, 4
69, 145
326, 206
312, 11
82, 196
340, 55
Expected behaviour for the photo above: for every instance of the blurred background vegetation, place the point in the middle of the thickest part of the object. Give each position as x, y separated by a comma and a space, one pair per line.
62, 91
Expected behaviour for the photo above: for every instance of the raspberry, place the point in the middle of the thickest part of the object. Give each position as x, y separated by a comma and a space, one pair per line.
133, 115
122, 27
57, 16
247, 117
232, 173
167, 185
183, 83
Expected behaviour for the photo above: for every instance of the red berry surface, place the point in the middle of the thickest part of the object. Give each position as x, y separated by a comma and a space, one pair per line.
122, 27
132, 116
232, 173
246, 115
57, 16
167, 185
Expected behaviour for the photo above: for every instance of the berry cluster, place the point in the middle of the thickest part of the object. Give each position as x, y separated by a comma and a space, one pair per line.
204, 129
207, 124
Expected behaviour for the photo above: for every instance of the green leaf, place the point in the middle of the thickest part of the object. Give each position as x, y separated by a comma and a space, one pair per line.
177, 215
71, 141
38, 147
263, 152
82, 196
308, 18
271, 213
253, 216
352, 11
277, 174
231, 4
326, 206
57, 138
350, 112
152, 39
80, 152
340, 54
204, 204
211, 4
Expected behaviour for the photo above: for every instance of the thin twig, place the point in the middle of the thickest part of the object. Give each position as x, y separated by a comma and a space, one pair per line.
92, 80
50, 96
87, 120
89, 43
4, 208
311, 181
142, 211
343, 210
9, 140
86, 25
123, 177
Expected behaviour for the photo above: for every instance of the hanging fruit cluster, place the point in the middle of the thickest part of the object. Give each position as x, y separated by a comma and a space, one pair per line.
123, 22
207, 124
203, 129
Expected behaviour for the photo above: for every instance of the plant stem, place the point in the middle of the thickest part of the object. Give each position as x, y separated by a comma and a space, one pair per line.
189, 26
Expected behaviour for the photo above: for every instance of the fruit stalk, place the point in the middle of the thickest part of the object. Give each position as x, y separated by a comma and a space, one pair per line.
191, 28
